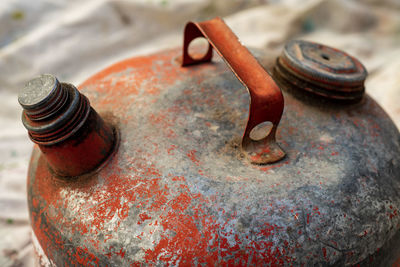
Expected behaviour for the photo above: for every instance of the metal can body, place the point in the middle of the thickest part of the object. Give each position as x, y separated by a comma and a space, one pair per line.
178, 191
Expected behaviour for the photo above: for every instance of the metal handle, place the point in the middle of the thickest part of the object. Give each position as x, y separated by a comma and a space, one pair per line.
266, 98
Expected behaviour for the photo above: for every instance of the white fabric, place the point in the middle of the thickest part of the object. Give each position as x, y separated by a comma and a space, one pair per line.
74, 39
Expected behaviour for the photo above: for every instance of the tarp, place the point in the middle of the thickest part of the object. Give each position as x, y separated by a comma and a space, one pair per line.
75, 39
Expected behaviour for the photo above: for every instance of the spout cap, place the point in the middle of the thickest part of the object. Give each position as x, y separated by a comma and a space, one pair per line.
321, 70
38, 91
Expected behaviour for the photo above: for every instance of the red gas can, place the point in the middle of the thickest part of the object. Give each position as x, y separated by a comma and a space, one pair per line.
179, 166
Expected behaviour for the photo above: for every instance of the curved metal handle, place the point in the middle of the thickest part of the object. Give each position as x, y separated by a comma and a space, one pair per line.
266, 98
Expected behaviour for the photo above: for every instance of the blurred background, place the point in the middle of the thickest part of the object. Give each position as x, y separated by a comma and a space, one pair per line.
74, 39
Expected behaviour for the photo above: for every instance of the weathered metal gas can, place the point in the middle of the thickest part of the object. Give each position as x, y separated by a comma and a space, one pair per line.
173, 163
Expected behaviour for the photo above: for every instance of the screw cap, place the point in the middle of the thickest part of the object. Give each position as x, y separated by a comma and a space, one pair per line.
322, 70
38, 91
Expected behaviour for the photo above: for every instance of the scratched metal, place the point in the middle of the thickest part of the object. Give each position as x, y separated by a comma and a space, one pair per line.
178, 191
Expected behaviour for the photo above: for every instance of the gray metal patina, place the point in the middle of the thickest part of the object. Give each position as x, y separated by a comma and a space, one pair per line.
179, 191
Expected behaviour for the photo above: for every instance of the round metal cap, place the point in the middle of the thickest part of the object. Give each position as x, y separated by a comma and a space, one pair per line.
322, 70
38, 91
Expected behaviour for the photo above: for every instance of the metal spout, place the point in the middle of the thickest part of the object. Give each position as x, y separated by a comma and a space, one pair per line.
72, 136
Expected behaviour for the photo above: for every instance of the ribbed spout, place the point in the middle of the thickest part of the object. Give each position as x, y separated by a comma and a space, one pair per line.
72, 136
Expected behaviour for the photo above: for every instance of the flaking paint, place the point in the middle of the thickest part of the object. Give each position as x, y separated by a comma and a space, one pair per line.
172, 197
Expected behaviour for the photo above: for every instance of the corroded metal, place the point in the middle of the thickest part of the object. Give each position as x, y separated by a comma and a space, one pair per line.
266, 100
321, 70
69, 132
178, 190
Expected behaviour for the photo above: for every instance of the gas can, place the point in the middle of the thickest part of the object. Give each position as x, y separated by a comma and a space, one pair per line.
184, 159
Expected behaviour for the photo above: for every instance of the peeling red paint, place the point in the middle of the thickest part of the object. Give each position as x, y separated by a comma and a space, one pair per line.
173, 215
143, 217
192, 155
171, 149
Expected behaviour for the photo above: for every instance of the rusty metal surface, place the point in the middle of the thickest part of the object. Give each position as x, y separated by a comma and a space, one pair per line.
322, 70
178, 191
266, 100
69, 132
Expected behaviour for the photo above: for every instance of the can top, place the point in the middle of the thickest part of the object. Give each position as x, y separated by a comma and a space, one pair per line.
38, 91
322, 70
